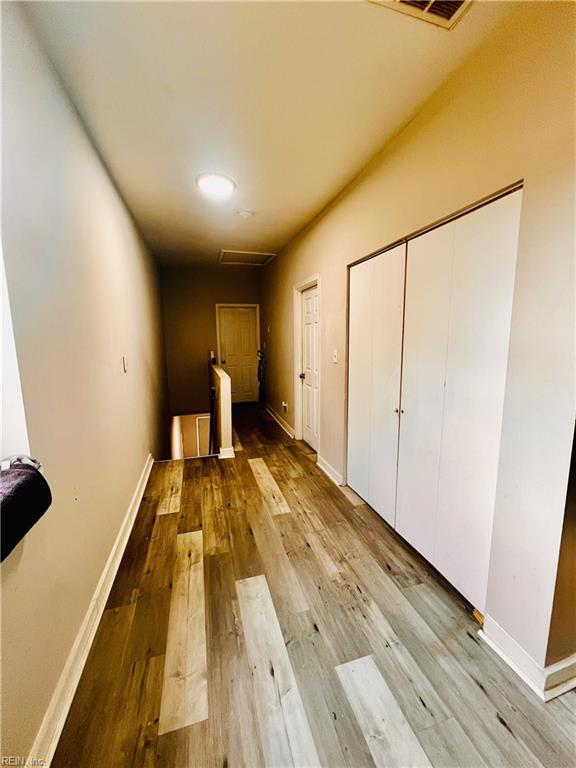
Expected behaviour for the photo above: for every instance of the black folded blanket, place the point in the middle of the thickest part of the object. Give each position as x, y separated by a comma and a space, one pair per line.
24, 497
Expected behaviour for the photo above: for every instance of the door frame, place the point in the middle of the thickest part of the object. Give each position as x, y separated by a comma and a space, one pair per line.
312, 282
240, 305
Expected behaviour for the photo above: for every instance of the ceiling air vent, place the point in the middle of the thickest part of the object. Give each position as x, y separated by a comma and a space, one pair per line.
443, 13
255, 258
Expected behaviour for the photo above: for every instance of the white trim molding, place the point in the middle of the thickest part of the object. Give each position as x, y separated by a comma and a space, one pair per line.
297, 290
201, 417
329, 470
52, 724
223, 385
280, 421
176, 441
547, 682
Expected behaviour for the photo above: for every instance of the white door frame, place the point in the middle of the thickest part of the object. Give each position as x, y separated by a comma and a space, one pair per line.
298, 290
240, 305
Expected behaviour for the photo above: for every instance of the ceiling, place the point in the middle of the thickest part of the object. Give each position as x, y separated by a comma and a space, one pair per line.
291, 99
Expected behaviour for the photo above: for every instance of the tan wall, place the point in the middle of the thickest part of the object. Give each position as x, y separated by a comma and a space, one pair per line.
506, 114
562, 641
189, 298
83, 293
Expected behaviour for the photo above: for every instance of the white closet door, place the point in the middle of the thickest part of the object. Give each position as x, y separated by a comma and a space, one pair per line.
360, 376
428, 288
388, 300
485, 246
375, 352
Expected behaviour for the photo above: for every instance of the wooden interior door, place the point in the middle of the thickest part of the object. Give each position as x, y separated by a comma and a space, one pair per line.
310, 365
238, 345
375, 353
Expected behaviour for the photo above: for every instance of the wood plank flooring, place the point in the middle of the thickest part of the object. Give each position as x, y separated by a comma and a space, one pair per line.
185, 688
388, 734
261, 616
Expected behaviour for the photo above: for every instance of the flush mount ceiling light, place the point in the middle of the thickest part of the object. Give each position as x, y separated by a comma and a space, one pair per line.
216, 186
245, 213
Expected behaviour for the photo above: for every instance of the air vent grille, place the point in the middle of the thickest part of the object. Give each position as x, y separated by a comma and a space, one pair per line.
253, 258
422, 4
445, 8
442, 13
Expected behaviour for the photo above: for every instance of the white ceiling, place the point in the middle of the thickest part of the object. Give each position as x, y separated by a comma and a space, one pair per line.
291, 99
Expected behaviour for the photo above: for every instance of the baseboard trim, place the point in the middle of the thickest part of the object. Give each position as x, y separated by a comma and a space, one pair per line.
52, 724
226, 453
329, 470
279, 420
547, 682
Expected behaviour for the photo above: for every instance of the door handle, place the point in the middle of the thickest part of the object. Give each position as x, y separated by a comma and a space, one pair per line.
223, 362
302, 376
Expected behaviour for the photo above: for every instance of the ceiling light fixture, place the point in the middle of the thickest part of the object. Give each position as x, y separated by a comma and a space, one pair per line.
245, 213
216, 186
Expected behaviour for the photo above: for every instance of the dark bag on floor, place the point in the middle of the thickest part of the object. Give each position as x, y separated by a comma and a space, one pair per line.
24, 498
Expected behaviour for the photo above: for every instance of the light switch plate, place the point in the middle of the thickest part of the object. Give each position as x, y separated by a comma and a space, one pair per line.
335, 356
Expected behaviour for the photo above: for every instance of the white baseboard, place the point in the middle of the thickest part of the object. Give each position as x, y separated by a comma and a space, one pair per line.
279, 420
226, 453
329, 470
547, 682
52, 724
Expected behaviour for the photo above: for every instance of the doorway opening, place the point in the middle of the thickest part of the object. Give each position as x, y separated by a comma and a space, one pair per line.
307, 362
238, 341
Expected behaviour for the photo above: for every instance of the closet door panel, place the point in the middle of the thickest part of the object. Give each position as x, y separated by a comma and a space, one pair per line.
388, 300
485, 246
360, 376
428, 289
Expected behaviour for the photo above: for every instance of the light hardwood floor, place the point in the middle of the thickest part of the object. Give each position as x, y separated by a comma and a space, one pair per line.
262, 616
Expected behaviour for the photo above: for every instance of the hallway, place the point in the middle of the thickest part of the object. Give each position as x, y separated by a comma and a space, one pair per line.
295, 593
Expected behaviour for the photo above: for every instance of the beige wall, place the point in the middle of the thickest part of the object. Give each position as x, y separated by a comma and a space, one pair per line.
14, 433
506, 114
82, 291
189, 298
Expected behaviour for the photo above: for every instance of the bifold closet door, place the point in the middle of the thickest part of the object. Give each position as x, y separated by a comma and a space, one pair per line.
360, 376
485, 247
459, 292
375, 351
428, 288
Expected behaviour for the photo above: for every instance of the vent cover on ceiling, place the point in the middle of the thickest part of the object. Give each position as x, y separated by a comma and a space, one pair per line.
254, 258
443, 13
